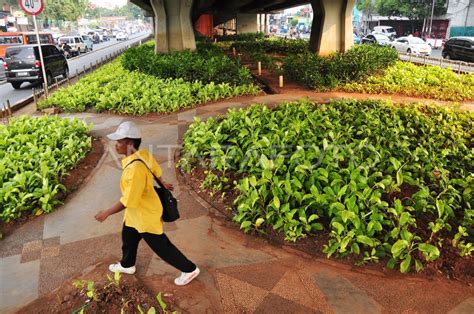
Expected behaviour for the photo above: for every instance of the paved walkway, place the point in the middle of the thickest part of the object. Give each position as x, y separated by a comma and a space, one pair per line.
240, 273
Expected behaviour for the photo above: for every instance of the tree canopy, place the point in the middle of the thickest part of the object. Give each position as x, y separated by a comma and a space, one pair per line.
412, 9
64, 10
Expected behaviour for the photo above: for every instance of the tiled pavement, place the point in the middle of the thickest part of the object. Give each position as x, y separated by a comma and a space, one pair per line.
240, 273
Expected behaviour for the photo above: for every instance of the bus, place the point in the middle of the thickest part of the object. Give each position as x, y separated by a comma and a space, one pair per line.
9, 39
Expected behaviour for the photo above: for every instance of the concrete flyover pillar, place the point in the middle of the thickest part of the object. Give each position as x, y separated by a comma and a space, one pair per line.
332, 26
173, 27
247, 23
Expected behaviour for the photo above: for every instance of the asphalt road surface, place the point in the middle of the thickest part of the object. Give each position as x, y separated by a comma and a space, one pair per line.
77, 63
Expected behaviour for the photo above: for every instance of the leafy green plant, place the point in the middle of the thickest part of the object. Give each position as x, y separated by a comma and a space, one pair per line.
420, 81
208, 65
35, 153
112, 88
272, 45
87, 287
241, 37
368, 173
322, 73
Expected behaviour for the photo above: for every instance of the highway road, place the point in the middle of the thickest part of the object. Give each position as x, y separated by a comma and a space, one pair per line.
77, 63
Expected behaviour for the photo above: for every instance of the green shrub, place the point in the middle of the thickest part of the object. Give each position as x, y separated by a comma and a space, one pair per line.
241, 37
112, 88
207, 65
34, 155
273, 45
324, 73
383, 180
420, 81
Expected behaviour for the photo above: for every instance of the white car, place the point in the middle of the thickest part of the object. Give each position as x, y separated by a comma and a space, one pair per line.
122, 36
385, 30
412, 45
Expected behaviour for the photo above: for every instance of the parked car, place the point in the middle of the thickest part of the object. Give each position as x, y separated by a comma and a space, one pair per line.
385, 30
22, 64
122, 36
413, 45
76, 43
376, 39
88, 42
459, 48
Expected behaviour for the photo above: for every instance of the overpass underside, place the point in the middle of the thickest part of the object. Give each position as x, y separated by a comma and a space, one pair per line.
174, 19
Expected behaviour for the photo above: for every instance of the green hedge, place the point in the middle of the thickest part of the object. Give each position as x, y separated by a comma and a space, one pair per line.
384, 181
113, 88
273, 45
421, 81
356, 64
241, 37
208, 64
34, 154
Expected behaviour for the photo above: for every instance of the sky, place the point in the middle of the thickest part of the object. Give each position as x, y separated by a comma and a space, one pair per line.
109, 3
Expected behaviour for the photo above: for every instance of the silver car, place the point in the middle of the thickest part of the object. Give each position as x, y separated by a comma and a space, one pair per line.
412, 45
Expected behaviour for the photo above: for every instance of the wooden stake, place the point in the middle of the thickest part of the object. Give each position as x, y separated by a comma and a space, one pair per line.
280, 81
35, 99
9, 109
234, 52
259, 65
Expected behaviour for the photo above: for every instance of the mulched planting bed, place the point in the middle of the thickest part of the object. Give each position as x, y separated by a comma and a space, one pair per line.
254, 190
450, 265
109, 295
72, 182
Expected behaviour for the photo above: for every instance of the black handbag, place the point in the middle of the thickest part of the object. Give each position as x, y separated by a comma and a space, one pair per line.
169, 202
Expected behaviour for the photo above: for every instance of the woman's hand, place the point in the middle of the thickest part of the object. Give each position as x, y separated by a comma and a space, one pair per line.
101, 216
168, 186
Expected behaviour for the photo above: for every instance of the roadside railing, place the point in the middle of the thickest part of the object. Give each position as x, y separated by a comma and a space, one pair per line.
40, 92
457, 66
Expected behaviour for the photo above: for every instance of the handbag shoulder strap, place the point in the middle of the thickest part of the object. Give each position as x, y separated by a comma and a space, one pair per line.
156, 178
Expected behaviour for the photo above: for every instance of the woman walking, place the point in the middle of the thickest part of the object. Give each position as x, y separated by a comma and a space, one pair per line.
143, 208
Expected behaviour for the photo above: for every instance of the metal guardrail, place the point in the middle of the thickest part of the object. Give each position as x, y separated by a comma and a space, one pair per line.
457, 66
40, 92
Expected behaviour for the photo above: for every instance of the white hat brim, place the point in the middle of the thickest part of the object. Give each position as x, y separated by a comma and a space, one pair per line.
115, 137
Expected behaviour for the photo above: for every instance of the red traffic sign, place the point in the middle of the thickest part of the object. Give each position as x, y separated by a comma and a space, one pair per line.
32, 7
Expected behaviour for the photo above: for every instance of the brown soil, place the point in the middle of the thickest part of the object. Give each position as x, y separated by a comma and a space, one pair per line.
109, 296
449, 265
72, 182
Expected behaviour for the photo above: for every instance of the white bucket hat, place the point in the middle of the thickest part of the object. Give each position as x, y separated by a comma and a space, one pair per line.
127, 129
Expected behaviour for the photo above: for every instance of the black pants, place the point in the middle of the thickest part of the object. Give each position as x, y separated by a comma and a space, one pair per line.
159, 243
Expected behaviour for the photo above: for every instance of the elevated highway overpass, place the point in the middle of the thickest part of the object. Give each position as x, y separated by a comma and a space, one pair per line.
174, 20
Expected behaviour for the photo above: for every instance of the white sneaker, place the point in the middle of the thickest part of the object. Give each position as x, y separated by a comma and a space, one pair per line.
186, 278
118, 267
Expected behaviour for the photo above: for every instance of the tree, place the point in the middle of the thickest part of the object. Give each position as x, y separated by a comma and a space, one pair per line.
64, 10
129, 10
369, 7
412, 9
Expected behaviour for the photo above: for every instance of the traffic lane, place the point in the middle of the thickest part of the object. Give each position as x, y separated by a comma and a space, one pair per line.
16, 95
77, 64
101, 45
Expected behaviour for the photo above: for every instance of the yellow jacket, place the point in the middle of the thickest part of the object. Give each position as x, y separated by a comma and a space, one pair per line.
143, 209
